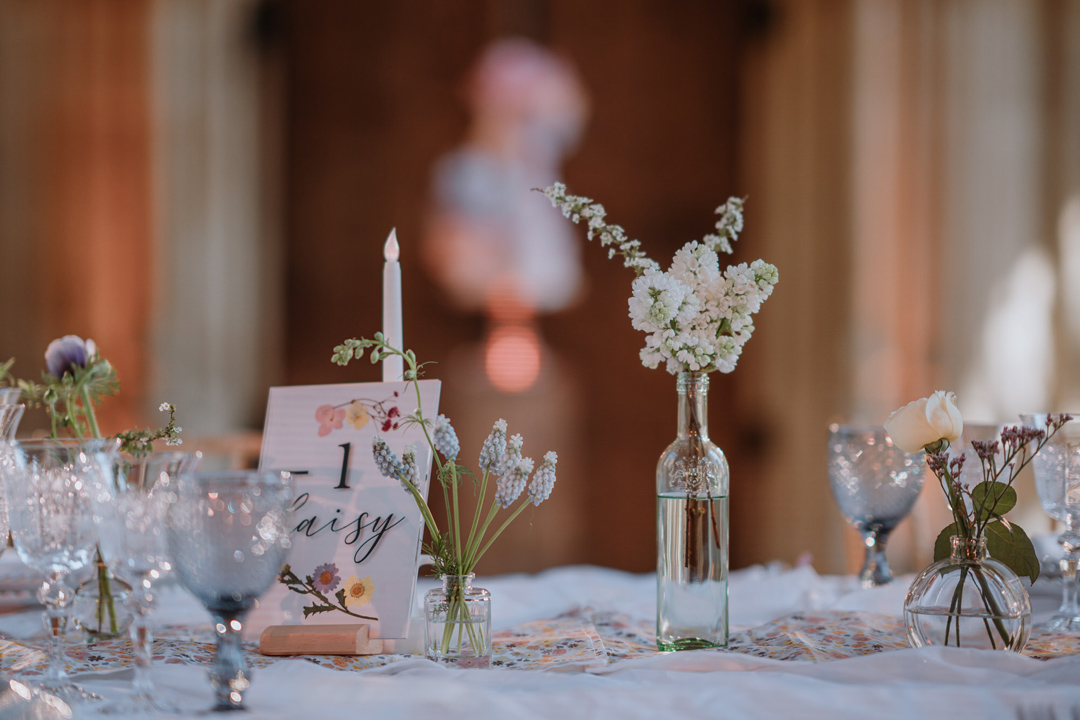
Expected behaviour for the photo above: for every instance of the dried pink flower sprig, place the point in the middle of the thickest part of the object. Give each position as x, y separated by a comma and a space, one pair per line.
979, 511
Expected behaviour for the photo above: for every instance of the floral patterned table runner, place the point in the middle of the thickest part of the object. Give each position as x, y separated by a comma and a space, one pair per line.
587, 638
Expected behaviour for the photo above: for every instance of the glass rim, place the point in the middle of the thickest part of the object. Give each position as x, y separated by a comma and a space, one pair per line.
241, 477
163, 454
857, 429
109, 445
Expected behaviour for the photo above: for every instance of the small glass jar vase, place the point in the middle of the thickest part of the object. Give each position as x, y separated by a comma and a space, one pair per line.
457, 623
692, 481
968, 600
100, 609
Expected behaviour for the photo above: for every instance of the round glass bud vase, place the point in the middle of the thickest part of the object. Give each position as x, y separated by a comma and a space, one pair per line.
692, 480
100, 609
968, 600
457, 623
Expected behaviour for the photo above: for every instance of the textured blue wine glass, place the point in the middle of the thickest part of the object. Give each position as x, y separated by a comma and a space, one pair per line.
228, 536
875, 484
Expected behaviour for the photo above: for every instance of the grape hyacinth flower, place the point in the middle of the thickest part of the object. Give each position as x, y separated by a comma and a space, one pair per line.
66, 354
475, 518
509, 486
512, 456
445, 439
385, 460
544, 479
412, 472
494, 448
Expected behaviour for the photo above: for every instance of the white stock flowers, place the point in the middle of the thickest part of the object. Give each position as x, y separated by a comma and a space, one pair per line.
696, 316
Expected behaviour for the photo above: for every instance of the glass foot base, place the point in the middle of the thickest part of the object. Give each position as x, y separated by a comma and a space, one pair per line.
69, 692
141, 705
687, 644
1062, 623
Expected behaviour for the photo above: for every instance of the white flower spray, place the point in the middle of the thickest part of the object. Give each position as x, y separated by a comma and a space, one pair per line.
695, 317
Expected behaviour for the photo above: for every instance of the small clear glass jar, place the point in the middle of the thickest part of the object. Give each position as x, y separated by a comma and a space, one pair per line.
457, 623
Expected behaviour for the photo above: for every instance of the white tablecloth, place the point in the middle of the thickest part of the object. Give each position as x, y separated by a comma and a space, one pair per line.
905, 684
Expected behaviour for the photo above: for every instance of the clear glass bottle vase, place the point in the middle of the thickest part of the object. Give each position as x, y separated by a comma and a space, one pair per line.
457, 623
692, 481
968, 600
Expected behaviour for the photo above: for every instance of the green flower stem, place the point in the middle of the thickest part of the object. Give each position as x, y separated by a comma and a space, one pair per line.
958, 591
429, 520
416, 386
457, 615
471, 553
105, 592
499, 532
446, 504
88, 411
991, 604
457, 513
469, 548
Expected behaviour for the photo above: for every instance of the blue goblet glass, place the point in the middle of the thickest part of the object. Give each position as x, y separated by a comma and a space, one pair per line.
875, 484
228, 535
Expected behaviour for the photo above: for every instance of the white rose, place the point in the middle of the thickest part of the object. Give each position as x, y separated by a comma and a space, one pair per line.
925, 422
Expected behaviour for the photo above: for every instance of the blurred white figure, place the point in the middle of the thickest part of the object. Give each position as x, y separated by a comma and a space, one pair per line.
496, 248
492, 240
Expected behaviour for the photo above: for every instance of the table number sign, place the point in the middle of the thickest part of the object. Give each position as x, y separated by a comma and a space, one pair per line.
356, 534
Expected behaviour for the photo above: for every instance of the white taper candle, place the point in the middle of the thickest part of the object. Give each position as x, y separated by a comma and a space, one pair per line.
392, 367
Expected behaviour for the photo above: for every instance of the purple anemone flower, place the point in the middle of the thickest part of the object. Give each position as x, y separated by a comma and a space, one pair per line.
67, 353
326, 578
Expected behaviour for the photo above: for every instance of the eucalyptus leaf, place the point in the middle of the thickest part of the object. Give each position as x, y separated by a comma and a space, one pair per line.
943, 544
982, 498
1009, 544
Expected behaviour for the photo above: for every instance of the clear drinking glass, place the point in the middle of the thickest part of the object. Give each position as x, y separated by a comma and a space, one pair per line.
47, 486
1057, 481
130, 506
228, 534
875, 484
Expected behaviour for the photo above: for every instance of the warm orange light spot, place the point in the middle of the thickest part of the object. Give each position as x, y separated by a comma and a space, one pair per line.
512, 358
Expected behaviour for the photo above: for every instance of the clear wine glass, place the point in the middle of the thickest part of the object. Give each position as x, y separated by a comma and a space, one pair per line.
10, 414
228, 535
130, 506
875, 484
1057, 481
47, 487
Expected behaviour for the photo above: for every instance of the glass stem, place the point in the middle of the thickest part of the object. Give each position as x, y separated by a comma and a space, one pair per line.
875, 570
55, 595
1070, 604
229, 677
142, 640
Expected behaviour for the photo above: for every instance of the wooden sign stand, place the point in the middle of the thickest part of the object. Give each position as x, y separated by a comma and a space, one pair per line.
318, 640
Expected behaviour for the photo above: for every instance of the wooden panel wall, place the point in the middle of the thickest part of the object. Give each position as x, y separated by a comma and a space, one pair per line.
374, 99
